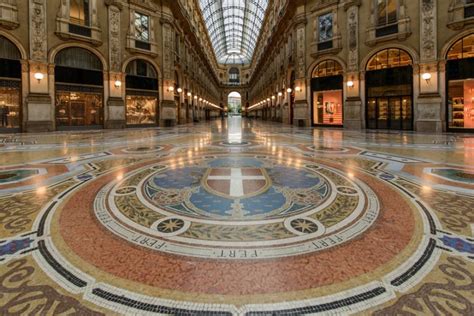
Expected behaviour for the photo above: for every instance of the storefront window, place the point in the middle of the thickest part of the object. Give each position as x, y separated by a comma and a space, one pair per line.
142, 93
328, 107
9, 107
141, 109
460, 101
78, 108
326, 85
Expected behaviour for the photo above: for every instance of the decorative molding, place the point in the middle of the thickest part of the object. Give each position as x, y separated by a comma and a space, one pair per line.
115, 56
428, 30
38, 36
353, 38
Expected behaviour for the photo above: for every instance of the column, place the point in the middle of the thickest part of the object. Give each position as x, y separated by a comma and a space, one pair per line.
354, 109
168, 107
39, 105
301, 115
429, 109
115, 111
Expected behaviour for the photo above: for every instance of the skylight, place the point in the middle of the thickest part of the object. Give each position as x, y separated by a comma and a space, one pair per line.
233, 26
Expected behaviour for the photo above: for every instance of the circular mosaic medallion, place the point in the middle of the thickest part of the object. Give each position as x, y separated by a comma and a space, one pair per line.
226, 202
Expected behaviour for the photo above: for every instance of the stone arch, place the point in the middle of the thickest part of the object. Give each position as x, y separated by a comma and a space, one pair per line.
314, 64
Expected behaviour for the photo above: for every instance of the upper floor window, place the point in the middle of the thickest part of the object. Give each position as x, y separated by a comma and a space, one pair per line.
142, 27
387, 12
234, 75
325, 23
79, 12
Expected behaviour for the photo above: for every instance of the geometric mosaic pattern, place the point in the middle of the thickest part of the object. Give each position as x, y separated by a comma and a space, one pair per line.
186, 222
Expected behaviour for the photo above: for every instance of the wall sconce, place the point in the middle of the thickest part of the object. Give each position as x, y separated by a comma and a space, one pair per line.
268, 99
195, 97
426, 76
189, 94
350, 84
39, 76
273, 97
170, 88
297, 89
200, 99
280, 94
117, 83
179, 90
289, 90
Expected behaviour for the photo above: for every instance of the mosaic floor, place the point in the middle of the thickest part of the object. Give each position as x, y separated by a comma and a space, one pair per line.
236, 218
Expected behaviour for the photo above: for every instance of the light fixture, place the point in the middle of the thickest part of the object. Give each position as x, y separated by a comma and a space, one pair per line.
39, 76
273, 97
289, 90
298, 89
350, 84
171, 88
117, 83
179, 90
426, 76
280, 94
200, 99
195, 97
268, 99
189, 94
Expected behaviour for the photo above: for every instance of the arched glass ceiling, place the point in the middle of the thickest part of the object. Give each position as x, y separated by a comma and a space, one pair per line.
233, 26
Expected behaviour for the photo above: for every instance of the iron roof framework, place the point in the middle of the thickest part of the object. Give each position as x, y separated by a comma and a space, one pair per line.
233, 26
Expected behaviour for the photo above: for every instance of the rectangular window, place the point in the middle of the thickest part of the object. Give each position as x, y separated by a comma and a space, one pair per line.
327, 107
142, 27
79, 12
387, 12
325, 27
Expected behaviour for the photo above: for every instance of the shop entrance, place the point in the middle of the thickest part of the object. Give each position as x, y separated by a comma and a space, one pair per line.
79, 89
326, 85
390, 113
10, 86
389, 90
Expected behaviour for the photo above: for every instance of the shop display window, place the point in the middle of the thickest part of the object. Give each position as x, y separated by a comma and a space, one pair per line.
9, 107
461, 104
327, 107
79, 108
141, 110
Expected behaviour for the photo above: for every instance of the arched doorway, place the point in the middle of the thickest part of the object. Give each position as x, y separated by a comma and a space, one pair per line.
79, 89
460, 85
327, 94
389, 90
141, 93
10, 86
234, 103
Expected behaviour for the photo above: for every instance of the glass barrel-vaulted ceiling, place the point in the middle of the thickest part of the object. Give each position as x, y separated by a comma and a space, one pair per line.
233, 26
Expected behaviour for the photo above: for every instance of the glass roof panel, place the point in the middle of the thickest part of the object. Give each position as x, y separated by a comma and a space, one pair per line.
233, 27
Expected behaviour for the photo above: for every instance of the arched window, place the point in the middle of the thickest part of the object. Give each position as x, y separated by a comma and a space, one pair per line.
389, 58
327, 68
462, 49
141, 68
234, 75
76, 57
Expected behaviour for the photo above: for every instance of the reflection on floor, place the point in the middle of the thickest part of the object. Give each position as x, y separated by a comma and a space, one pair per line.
236, 218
